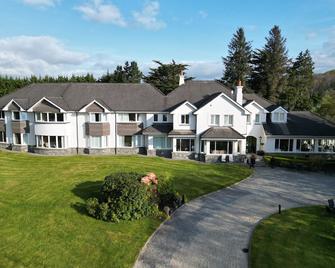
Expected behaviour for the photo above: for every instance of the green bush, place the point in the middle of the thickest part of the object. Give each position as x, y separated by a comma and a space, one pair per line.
122, 197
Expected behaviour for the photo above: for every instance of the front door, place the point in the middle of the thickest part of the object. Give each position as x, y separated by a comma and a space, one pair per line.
251, 145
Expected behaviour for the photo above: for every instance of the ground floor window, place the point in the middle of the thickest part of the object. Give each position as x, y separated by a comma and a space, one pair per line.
221, 147
185, 145
305, 145
2, 136
98, 142
17, 138
161, 142
326, 145
284, 145
53, 142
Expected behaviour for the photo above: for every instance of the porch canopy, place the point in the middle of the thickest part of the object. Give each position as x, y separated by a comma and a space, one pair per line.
221, 140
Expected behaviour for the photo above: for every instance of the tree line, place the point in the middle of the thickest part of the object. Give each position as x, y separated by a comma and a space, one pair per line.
267, 71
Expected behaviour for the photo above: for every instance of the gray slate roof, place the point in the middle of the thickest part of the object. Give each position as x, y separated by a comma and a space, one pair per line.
221, 133
301, 124
158, 129
74, 96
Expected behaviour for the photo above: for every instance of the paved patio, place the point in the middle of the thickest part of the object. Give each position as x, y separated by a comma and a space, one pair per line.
213, 230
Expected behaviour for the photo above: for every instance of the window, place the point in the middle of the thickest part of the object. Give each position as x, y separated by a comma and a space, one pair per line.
248, 119
16, 115
161, 142
215, 119
257, 118
2, 115
164, 117
49, 117
284, 145
228, 120
17, 138
2, 136
305, 145
155, 117
126, 141
185, 119
50, 142
185, 145
279, 117
221, 147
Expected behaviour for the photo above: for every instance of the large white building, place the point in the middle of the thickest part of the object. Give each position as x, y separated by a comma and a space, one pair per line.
200, 120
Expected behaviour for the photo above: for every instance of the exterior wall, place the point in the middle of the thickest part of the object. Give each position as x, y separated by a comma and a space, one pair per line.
184, 109
222, 107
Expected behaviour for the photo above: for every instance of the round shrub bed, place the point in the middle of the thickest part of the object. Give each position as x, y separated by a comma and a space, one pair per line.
131, 196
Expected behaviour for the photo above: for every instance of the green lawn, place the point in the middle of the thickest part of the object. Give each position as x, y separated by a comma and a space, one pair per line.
42, 217
301, 237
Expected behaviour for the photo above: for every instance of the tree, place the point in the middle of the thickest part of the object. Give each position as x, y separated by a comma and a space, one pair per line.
270, 66
166, 76
297, 95
238, 62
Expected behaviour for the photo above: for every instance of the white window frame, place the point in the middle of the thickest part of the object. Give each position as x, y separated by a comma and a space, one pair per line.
185, 119
214, 119
228, 120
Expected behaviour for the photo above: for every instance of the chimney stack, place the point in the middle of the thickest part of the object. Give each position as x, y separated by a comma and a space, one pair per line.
239, 93
181, 78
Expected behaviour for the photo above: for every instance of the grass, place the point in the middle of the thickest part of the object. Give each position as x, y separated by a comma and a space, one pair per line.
42, 216
300, 237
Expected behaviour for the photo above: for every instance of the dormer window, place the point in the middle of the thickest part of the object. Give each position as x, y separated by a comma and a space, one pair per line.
279, 117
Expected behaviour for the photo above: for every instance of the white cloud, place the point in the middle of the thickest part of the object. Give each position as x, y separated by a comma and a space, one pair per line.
41, 3
97, 10
324, 57
39, 55
147, 17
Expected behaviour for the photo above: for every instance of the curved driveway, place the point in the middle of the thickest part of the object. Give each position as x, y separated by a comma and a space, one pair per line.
213, 230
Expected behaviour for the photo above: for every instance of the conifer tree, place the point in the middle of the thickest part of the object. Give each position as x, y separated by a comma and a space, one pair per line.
238, 62
270, 66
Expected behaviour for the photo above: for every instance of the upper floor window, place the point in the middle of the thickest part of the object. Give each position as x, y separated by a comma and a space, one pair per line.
16, 115
257, 118
228, 120
185, 119
279, 117
248, 119
215, 119
49, 117
2, 115
155, 117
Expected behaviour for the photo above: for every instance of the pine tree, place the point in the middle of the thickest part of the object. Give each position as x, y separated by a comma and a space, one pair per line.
238, 62
166, 76
298, 93
270, 66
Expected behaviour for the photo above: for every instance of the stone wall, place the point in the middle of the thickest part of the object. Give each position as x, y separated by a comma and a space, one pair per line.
161, 153
183, 155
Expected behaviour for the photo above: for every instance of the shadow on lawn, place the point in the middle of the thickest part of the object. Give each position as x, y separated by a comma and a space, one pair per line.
85, 190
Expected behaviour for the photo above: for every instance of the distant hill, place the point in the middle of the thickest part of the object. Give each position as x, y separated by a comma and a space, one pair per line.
324, 81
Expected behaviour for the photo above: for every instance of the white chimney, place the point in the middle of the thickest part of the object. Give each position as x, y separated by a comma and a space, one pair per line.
181, 78
239, 93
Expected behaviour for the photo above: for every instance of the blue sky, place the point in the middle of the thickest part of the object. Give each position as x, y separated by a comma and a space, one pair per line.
64, 37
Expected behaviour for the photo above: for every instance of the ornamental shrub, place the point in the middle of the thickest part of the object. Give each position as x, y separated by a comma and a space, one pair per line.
123, 197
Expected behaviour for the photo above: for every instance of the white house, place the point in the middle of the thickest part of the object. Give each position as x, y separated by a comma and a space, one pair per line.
200, 120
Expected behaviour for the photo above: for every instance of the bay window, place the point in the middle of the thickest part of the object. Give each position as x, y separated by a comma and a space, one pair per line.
161, 142
221, 147
215, 119
185, 145
50, 142
284, 145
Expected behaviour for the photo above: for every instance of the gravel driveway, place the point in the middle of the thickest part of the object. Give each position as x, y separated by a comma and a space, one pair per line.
213, 230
